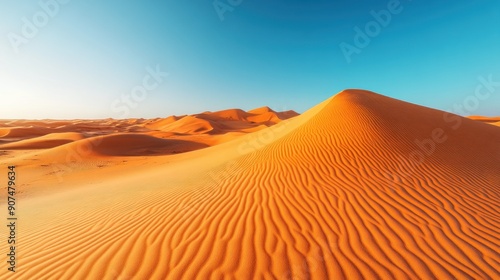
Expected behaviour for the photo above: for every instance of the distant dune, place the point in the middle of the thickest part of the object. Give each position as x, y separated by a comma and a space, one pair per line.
208, 128
361, 186
44, 142
485, 119
131, 145
23, 132
490, 120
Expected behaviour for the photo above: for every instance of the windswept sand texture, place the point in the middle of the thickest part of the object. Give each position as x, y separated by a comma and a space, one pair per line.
361, 186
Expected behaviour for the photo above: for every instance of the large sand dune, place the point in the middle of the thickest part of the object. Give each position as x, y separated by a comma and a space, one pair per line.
361, 186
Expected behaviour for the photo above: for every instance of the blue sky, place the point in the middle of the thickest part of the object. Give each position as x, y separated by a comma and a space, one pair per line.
94, 59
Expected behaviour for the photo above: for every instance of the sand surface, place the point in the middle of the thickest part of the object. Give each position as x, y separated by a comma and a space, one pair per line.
361, 186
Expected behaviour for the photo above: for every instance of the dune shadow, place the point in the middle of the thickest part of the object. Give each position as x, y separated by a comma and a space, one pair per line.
144, 145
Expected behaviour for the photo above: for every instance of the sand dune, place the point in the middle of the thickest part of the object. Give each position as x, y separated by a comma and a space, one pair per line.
263, 115
489, 120
129, 145
44, 142
230, 114
207, 129
190, 125
221, 122
279, 115
361, 186
485, 119
23, 132
160, 124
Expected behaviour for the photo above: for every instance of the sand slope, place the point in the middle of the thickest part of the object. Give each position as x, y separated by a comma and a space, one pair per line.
130, 144
360, 187
44, 142
23, 132
489, 120
485, 119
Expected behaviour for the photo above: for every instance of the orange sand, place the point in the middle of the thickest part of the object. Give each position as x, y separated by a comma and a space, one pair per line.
359, 187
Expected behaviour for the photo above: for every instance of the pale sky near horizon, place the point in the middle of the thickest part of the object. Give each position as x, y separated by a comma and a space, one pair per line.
98, 59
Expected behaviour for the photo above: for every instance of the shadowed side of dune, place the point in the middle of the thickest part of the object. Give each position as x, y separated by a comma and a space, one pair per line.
129, 145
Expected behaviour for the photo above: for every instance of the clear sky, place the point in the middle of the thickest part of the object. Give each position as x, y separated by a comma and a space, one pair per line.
98, 59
